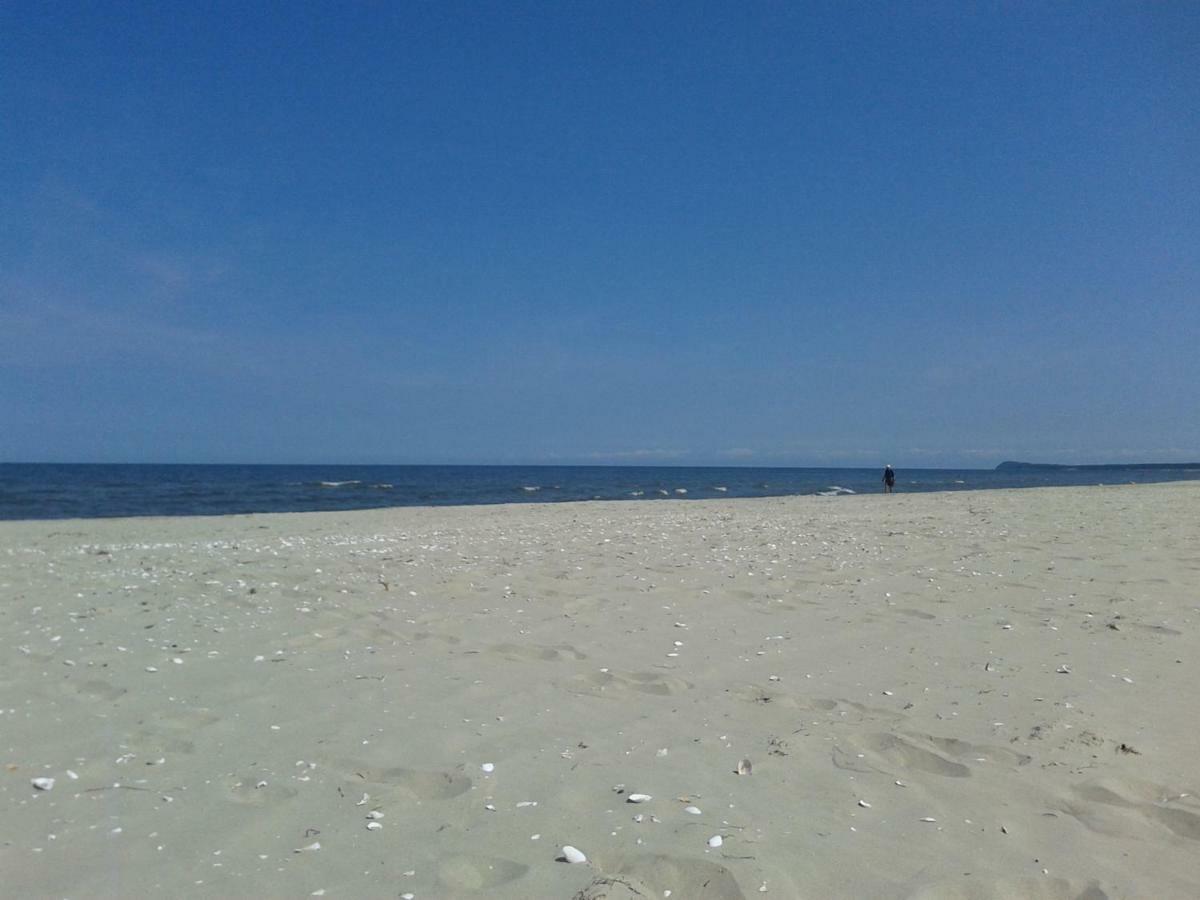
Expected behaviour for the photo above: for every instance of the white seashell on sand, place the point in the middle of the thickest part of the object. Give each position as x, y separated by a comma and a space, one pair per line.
864, 804
315, 845
638, 798
692, 810
715, 841
488, 767
43, 784
374, 814
572, 855
374, 826
744, 767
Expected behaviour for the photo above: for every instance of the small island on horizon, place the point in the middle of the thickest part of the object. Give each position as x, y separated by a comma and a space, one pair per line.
1011, 465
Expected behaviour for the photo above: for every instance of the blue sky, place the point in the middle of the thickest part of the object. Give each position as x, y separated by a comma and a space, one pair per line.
680, 233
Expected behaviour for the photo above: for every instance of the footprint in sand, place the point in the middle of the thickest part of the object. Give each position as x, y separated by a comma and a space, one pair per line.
976, 888
250, 790
536, 652
448, 639
894, 753
98, 690
615, 684
416, 783
470, 874
171, 733
915, 613
695, 879
1125, 807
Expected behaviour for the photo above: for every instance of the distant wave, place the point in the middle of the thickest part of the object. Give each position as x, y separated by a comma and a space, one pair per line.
334, 484
835, 490
383, 486
531, 487
721, 488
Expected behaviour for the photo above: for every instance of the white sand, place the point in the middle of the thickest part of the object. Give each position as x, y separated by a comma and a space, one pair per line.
984, 695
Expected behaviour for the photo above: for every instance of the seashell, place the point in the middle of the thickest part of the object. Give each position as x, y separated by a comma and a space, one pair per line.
692, 810
315, 845
864, 804
928, 819
374, 826
488, 767
638, 798
639, 818
374, 814
744, 767
715, 841
525, 803
43, 784
363, 801
572, 855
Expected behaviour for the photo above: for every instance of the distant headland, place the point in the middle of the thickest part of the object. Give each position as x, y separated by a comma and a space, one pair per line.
1012, 466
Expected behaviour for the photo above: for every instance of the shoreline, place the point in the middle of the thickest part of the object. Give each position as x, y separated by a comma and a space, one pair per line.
996, 682
536, 504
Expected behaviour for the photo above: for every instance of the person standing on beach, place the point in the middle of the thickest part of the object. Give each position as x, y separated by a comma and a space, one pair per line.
889, 479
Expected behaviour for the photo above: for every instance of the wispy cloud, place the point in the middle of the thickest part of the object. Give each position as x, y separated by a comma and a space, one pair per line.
644, 453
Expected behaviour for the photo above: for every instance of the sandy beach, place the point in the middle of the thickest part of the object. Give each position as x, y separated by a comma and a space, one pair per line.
985, 694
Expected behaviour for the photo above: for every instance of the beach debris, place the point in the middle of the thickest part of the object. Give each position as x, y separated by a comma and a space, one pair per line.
573, 855
374, 826
363, 801
638, 798
525, 803
1063, 670
692, 810
408, 896
927, 819
864, 804
488, 767
744, 767
315, 845
715, 841
43, 784
640, 818
663, 751
374, 814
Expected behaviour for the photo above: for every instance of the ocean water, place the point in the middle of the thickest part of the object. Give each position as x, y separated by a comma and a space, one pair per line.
55, 491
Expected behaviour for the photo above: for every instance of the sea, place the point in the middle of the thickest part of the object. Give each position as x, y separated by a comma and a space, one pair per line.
65, 491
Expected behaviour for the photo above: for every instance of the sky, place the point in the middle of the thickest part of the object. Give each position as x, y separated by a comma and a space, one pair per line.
934, 234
